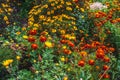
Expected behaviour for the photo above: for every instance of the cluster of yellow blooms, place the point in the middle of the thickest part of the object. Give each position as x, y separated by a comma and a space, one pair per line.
54, 14
6, 63
6, 9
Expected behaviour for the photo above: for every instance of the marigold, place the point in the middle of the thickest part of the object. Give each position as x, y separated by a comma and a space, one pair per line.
48, 44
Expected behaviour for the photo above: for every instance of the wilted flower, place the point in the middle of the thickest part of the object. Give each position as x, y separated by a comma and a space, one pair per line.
97, 5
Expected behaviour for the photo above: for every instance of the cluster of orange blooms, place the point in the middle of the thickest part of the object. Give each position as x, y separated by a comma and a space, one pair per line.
108, 17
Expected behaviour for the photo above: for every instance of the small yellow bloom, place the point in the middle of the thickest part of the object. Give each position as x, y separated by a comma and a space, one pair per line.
23, 28
56, 64
52, 4
69, 8
5, 18
62, 31
48, 44
46, 6
41, 17
25, 37
65, 78
64, 47
6, 63
62, 59
52, 11
48, 13
82, 9
36, 72
68, 3
34, 61
18, 57
18, 33
53, 30
82, 17
36, 25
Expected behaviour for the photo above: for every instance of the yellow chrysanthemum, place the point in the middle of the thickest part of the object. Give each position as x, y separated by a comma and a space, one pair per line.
48, 44
7, 62
25, 37
18, 57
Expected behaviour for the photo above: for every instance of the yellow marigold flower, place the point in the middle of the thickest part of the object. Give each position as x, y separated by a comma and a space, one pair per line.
62, 59
55, 8
62, 31
68, 3
34, 61
46, 6
48, 44
1, 11
36, 25
83, 53
7, 22
18, 57
41, 17
68, 69
53, 30
52, 4
7, 62
65, 78
82, 9
69, 8
52, 11
10, 9
5, 18
56, 64
25, 37
75, 28
64, 47
36, 72
23, 28
58, 7
82, 17
48, 13
18, 33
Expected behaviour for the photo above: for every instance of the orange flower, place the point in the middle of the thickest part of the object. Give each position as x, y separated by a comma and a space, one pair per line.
83, 53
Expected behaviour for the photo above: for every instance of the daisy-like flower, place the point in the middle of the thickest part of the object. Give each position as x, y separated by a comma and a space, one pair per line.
97, 6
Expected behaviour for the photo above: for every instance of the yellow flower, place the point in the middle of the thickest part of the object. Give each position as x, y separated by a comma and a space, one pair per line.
58, 7
82, 17
62, 31
18, 33
53, 30
64, 47
65, 78
68, 3
46, 6
62, 59
18, 57
25, 37
52, 4
56, 64
52, 11
48, 44
23, 28
69, 8
6, 63
7, 22
48, 13
82, 9
36, 25
42, 17
5, 18
36, 72
10, 10
34, 61
1, 11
